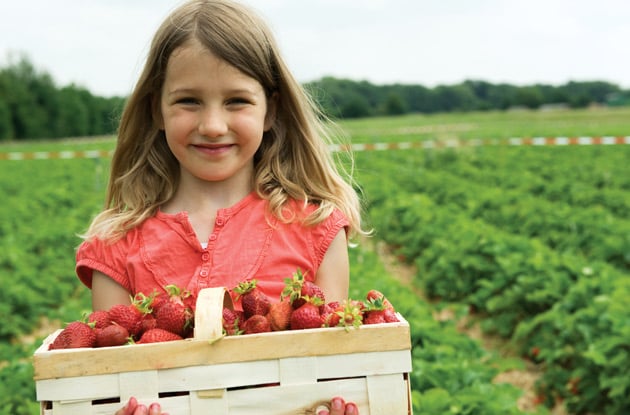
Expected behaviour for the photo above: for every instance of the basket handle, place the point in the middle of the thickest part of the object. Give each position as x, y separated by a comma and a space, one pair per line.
209, 313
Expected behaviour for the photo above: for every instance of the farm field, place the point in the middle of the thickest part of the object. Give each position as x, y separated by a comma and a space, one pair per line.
531, 242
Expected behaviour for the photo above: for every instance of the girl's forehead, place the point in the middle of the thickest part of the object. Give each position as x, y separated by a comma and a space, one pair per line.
193, 62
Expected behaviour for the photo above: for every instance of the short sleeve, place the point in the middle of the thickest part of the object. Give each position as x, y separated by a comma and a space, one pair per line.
325, 232
105, 257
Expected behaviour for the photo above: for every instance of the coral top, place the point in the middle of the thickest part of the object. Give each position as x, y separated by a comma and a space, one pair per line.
247, 242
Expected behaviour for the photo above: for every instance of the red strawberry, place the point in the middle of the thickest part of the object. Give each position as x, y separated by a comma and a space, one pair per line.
256, 324
307, 316
309, 290
379, 316
378, 309
74, 335
231, 322
279, 315
148, 322
330, 314
112, 335
158, 335
99, 319
350, 313
128, 316
373, 295
174, 315
253, 300
297, 289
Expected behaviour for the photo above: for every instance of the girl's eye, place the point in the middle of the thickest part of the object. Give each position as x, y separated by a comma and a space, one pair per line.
238, 101
187, 101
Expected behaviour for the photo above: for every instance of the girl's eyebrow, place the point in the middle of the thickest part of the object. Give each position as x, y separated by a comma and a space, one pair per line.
233, 91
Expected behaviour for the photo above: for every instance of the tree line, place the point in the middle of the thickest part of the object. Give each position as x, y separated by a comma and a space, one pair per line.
341, 98
32, 106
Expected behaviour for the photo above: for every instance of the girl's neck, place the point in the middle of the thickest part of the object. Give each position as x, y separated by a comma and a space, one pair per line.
195, 195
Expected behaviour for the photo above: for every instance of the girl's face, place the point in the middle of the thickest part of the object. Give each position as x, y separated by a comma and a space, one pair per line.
213, 115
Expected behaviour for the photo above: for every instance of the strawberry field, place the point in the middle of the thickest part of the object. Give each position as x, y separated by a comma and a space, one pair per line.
532, 243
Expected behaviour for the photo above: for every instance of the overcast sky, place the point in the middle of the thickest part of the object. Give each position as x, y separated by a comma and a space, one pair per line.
101, 44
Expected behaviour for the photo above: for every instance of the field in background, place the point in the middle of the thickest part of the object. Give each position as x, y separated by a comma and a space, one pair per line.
48, 202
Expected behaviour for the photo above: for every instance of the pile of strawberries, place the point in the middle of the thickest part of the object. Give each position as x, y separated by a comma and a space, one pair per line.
302, 306
159, 318
148, 319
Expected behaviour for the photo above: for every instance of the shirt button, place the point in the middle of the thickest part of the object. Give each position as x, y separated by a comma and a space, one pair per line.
213, 237
204, 273
219, 221
205, 256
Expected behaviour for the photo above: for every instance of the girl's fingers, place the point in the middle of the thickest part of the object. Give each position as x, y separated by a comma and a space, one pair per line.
337, 406
351, 409
155, 409
141, 410
129, 408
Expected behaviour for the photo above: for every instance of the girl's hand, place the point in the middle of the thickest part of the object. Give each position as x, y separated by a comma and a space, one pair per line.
133, 408
339, 407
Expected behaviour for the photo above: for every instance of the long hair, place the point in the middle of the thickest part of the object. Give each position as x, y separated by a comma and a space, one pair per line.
293, 161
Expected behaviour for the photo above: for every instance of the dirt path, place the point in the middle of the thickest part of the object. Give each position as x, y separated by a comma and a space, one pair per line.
522, 379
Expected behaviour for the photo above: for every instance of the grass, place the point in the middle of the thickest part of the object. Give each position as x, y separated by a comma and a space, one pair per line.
588, 122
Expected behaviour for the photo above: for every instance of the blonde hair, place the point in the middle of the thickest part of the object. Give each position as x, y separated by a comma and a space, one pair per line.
293, 161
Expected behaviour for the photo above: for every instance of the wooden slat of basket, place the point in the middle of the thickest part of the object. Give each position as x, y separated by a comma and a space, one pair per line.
190, 352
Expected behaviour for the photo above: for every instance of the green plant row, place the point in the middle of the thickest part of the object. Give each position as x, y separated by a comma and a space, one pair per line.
452, 374
590, 231
545, 300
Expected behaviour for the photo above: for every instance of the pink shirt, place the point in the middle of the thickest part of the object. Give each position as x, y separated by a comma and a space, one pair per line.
247, 242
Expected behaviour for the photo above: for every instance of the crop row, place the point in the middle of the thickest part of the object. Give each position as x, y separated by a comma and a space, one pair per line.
592, 231
560, 303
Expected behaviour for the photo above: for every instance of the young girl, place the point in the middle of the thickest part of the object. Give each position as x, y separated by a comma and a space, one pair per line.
221, 174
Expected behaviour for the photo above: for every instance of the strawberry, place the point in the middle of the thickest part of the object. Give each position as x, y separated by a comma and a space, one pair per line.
256, 324
373, 295
148, 322
231, 322
310, 290
99, 319
307, 316
74, 335
128, 316
296, 289
351, 313
279, 315
252, 299
378, 309
174, 315
330, 314
380, 316
112, 335
158, 335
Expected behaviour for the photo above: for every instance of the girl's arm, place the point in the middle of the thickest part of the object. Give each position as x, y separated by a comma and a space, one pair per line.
333, 275
106, 292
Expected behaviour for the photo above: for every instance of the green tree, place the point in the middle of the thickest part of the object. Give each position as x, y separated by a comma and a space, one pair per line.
394, 105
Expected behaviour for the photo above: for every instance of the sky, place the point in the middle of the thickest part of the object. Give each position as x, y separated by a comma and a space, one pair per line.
101, 44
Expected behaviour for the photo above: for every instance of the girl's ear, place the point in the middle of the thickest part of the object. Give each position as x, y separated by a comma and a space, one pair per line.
272, 111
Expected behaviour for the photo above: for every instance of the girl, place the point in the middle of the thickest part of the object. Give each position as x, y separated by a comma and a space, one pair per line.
221, 174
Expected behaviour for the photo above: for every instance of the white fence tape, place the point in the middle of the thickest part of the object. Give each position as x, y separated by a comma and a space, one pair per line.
382, 146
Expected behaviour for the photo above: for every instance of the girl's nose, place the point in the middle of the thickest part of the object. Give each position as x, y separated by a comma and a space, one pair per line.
212, 123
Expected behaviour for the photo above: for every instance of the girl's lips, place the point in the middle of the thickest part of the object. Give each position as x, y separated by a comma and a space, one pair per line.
215, 149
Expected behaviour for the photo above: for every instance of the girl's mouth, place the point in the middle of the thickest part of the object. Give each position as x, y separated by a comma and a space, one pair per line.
214, 150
